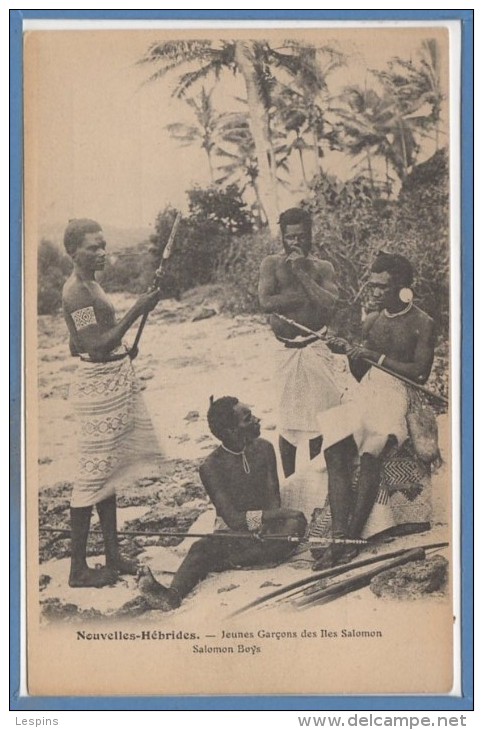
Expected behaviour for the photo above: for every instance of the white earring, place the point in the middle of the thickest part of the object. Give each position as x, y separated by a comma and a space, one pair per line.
406, 295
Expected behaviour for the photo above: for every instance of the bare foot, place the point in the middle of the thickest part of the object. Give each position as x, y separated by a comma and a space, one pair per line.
92, 578
156, 595
123, 566
334, 555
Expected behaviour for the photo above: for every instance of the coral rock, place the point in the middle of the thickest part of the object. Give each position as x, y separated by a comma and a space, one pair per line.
414, 580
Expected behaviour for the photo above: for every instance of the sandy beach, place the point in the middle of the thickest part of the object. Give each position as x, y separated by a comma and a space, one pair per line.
189, 351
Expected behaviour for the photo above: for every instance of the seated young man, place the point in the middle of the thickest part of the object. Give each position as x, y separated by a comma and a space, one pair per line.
240, 477
399, 336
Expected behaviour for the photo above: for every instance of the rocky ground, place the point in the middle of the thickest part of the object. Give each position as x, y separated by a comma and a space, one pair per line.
188, 352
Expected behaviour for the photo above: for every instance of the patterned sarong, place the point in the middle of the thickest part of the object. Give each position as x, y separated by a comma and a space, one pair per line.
377, 409
403, 501
116, 438
310, 381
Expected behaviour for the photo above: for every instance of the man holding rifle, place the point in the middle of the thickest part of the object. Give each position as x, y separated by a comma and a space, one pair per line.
114, 429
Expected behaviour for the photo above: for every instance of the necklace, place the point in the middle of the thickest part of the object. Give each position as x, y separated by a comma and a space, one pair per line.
246, 465
391, 315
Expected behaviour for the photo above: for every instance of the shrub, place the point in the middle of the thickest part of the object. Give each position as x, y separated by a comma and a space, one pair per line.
239, 269
205, 237
53, 268
422, 234
128, 270
351, 225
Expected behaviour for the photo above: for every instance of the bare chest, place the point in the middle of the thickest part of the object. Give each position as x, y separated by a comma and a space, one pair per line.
285, 279
397, 337
105, 313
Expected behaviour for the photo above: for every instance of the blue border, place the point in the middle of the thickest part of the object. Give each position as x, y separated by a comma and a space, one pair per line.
253, 703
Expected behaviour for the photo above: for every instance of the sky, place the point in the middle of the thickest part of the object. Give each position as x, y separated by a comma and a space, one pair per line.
96, 143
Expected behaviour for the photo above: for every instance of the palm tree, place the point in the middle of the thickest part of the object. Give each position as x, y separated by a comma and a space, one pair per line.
430, 55
373, 126
251, 61
238, 160
416, 88
302, 105
256, 62
204, 132
202, 58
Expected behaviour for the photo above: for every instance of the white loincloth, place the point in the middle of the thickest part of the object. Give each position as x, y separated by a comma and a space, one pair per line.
374, 410
306, 489
310, 381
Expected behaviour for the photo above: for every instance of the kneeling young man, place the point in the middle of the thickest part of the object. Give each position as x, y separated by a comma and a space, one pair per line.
240, 477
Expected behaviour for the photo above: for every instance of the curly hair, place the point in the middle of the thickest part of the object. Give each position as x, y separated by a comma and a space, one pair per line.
295, 216
221, 416
76, 229
398, 266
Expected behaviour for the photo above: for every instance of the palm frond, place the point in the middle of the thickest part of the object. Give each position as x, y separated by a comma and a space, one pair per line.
177, 52
190, 78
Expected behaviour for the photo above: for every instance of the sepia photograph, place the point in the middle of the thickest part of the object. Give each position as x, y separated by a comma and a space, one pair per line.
241, 297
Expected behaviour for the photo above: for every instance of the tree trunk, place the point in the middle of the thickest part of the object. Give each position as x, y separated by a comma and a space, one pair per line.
388, 182
369, 168
404, 152
261, 210
318, 165
261, 136
210, 166
301, 157
302, 167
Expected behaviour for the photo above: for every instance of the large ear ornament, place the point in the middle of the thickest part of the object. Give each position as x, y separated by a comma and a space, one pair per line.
406, 295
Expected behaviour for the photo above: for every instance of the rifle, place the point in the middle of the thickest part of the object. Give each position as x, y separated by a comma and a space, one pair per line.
224, 534
168, 249
407, 381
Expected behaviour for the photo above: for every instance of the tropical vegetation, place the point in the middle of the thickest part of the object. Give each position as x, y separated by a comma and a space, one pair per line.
369, 160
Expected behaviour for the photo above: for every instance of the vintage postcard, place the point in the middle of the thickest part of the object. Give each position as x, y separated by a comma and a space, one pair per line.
241, 327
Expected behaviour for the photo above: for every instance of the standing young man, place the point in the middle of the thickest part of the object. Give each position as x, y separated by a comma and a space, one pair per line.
114, 429
301, 287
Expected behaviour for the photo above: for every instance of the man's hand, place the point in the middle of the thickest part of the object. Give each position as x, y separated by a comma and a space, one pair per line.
280, 514
295, 258
362, 353
167, 285
148, 301
338, 345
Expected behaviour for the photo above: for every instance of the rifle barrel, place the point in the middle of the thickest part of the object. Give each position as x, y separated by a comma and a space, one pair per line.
407, 381
230, 535
166, 254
